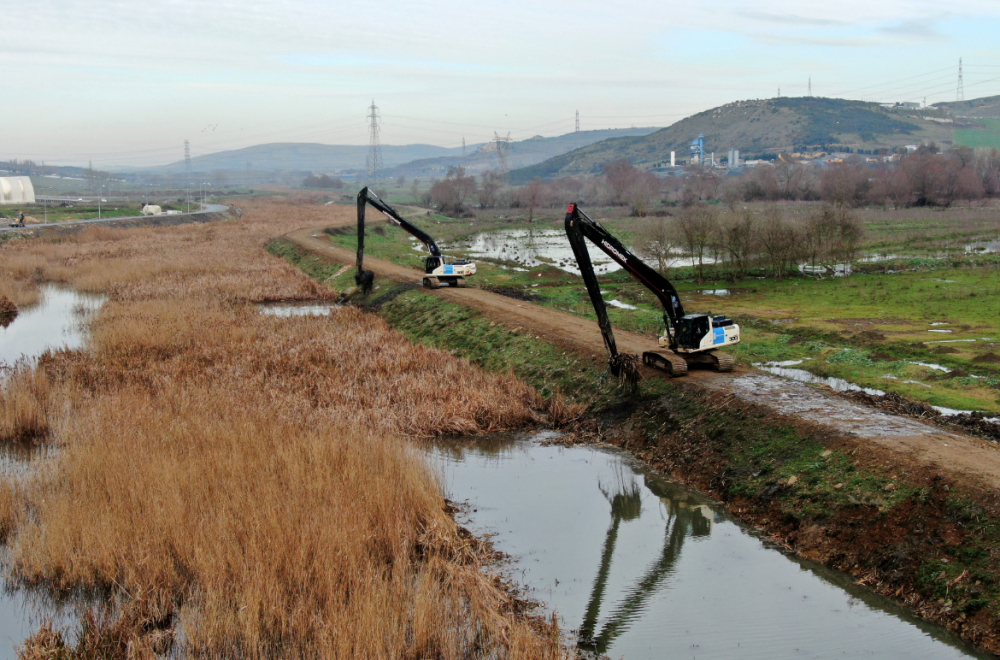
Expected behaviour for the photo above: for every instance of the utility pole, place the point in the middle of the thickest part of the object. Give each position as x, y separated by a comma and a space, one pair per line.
961, 86
463, 147
779, 92
187, 173
373, 164
577, 121
810, 85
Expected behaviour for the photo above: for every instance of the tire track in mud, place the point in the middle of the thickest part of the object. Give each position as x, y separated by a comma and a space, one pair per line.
909, 440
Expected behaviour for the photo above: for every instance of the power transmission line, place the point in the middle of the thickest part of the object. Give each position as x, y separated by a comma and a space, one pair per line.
373, 164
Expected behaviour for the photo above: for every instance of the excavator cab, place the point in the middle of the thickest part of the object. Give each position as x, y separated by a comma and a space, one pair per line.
699, 332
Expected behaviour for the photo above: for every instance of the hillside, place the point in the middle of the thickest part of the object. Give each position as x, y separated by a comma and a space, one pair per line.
307, 157
522, 153
756, 128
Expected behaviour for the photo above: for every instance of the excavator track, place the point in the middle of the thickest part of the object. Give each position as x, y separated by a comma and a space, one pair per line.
712, 359
724, 362
671, 363
432, 282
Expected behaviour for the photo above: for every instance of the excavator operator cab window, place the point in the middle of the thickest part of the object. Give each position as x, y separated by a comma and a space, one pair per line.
431, 263
691, 329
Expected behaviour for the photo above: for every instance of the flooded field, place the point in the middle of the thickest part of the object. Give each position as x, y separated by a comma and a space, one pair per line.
640, 567
56, 321
530, 248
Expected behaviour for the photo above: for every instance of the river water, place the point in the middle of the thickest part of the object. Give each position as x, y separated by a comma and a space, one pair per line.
641, 567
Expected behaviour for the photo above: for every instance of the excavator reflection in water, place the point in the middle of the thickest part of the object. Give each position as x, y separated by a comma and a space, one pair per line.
683, 519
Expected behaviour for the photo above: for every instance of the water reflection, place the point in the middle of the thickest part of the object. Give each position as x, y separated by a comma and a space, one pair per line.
641, 567
57, 321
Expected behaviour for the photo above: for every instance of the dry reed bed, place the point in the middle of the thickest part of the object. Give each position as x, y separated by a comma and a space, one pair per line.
248, 474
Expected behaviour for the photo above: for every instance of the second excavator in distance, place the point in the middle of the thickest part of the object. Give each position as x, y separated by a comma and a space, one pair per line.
689, 339
439, 270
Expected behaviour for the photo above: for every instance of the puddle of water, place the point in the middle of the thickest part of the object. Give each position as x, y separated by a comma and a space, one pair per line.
931, 365
939, 330
940, 323
299, 308
983, 246
836, 270
620, 305
917, 382
785, 363
57, 321
947, 341
804, 376
645, 568
715, 292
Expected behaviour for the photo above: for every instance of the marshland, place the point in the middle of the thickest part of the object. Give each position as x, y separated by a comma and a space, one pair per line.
236, 483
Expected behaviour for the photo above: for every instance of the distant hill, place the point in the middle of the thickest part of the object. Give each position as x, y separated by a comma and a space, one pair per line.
987, 107
307, 157
761, 127
521, 154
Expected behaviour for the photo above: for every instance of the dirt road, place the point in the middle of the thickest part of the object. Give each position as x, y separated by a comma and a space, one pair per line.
910, 440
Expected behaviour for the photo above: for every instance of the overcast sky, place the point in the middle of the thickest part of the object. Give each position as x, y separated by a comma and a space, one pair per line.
125, 83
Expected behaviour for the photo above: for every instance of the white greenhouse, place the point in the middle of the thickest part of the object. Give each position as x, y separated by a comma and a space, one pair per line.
16, 190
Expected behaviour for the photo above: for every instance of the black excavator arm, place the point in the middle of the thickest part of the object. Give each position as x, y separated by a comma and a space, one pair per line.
579, 226
365, 278
684, 334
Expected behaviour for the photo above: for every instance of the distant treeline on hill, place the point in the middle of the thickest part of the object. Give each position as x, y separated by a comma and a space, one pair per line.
322, 181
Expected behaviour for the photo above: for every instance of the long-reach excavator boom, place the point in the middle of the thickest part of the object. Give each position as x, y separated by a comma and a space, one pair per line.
439, 269
690, 338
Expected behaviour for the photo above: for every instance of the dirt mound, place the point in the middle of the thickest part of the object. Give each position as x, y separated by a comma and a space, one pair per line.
946, 350
894, 403
6, 306
517, 293
991, 358
974, 423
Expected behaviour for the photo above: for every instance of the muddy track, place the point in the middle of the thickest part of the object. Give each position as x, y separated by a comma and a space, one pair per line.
910, 441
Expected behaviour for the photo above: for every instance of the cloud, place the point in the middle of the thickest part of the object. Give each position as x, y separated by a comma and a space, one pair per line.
913, 30
791, 19
776, 39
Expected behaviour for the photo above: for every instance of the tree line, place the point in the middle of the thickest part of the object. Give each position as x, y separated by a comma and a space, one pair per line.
732, 243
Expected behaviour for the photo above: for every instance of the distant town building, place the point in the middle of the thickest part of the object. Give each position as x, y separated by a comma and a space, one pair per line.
16, 190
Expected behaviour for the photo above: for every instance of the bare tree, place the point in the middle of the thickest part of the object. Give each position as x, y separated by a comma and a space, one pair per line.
845, 184
644, 189
778, 241
739, 231
696, 226
531, 196
656, 239
620, 175
491, 184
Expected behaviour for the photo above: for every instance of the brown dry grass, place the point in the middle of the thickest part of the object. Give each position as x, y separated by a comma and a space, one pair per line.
250, 475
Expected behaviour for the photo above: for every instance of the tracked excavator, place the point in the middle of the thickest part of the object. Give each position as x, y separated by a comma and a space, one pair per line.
687, 339
439, 270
